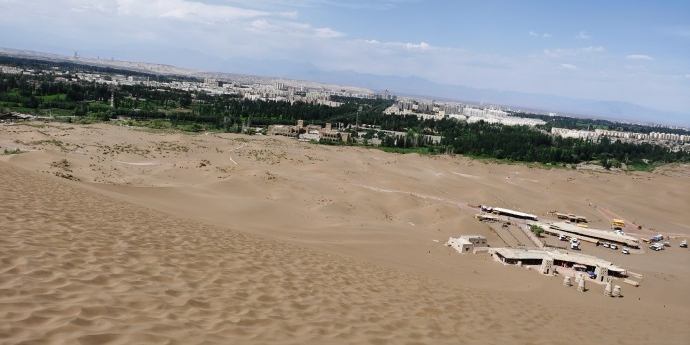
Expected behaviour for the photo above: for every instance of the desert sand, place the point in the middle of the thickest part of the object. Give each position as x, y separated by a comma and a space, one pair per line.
117, 235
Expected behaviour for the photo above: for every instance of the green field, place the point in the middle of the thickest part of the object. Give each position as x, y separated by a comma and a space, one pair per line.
55, 97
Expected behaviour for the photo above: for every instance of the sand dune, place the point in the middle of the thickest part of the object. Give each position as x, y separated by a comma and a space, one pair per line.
299, 243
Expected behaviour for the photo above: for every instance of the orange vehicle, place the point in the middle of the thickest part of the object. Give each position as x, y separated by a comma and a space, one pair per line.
617, 222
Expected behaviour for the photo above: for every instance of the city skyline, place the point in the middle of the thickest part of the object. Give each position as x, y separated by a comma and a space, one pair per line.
632, 52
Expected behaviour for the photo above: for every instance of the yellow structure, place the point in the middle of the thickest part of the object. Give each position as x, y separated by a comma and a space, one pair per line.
617, 222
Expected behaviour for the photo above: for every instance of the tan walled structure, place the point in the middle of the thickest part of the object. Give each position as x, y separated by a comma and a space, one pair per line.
466, 243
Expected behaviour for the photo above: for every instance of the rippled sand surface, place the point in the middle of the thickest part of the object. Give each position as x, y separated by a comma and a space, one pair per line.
296, 244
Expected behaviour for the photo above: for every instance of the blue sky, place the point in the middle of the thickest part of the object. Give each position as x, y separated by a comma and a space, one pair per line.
634, 51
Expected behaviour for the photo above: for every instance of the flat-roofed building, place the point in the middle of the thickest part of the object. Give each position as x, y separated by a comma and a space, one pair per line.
559, 257
476, 240
467, 243
513, 213
334, 136
287, 131
596, 234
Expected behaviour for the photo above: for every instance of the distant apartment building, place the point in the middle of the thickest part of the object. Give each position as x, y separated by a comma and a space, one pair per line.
451, 108
630, 136
425, 107
10, 70
573, 133
480, 112
386, 95
469, 111
137, 79
670, 137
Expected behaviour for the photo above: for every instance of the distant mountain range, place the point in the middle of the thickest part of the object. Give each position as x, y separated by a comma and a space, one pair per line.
419, 87
201, 65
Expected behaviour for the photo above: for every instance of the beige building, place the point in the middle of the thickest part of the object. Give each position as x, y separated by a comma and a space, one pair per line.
467, 243
309, 132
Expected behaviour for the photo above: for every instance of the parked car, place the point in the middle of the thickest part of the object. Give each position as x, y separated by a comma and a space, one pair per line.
606, 245
613, 246
592, 275
684, 244
656, 246
625, 250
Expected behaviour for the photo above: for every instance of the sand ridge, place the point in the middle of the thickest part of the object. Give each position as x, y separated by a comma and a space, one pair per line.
132, 275
296, 243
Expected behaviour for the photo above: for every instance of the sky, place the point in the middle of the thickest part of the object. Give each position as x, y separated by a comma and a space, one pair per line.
630, 51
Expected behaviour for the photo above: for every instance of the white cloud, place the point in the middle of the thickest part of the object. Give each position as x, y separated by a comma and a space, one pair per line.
574, 51
327, 33
279, 28
545, 35
568, 66
421, 46
583, 35
189, 10
91, 7
639, 57
417, 46
363, 4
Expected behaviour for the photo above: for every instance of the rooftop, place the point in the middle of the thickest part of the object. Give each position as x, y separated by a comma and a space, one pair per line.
517, 213
603, 234
541, 254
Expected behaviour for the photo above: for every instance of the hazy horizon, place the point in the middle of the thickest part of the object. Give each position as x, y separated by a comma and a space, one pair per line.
634, 52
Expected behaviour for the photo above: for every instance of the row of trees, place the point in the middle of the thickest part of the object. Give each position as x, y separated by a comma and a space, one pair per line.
521, 143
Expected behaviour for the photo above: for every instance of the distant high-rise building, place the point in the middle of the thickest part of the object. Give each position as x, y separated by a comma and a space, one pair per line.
212, 82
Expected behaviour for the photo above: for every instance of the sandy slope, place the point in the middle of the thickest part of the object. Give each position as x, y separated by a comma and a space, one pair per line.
173, 238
